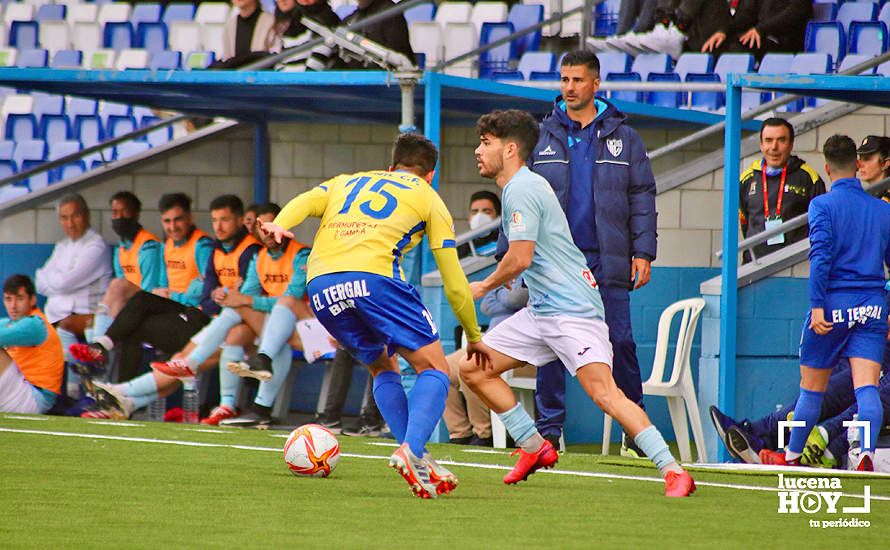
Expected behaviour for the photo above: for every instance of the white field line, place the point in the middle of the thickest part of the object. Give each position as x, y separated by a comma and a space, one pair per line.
446, 462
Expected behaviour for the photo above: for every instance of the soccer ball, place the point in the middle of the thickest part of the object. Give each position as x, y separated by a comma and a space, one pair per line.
311, 450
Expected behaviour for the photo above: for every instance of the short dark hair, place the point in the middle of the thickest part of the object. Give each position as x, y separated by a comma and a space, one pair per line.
513, 125
582, 57
232, 202
840, 152
776, 121
172, 200
14, 283
415, 152
74, 198
267, 208
252, 208
131, 201
488, 196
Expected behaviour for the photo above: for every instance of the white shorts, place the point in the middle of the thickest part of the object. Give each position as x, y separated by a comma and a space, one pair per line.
539, 340
16, 393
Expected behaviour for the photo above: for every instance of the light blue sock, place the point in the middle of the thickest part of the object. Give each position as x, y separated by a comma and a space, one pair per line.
519, 424
652, 443
101, 322
229, 381
67, 338
281, 364
212, 336
808, 408
277, 330
869, 410
140, 401
141, 385
425, 408
392, 402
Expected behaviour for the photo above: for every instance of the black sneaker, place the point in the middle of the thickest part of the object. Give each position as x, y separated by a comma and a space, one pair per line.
258, 417
365, 431
483, 441
629, 448
740, 445
461, 440
335, 426
259, 366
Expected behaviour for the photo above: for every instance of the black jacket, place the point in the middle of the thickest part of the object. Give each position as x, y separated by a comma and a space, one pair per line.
782, 24
391, 33
802, 184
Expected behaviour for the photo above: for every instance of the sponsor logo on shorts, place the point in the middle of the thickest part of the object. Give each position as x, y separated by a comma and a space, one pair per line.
853, 315
340, 296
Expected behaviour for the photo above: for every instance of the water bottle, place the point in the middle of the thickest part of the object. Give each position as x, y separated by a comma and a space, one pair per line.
157, 409
190, 401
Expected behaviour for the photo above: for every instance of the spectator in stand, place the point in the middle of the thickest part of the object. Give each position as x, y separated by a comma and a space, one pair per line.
790, 186
250, 217
31, 358
370, 422
249, 35
636, 16
391, 33
75, 276
292, 32
874, 162
761, 26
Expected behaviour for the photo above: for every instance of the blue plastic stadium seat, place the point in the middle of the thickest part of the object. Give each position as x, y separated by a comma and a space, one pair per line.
151, 37
55, 128
856, 11
523, 16
613, 62
47, 104
606, 18
62, 148
665, 98
507, 75
67, 59
868, 38
51, 12
21, 127
826, 37
70, 170
495, 59
37, 181
179, 12
854, 59
7, 168
808, 63
109, 108
773, 63
420, 12
81, 106
166, 59
129, 148
737, 63
118, 35
694, 63
708, 101
646, 63
159, 136
32, 149
6, 149
119, 125
551, 75
536, 61
626, 95
88, 129
32, 58
23, 34
420, 58
145, 13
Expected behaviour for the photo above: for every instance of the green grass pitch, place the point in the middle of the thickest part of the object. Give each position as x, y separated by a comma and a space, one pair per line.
151, 485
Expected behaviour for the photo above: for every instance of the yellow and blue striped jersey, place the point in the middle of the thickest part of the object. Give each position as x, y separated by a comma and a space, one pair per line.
369, 220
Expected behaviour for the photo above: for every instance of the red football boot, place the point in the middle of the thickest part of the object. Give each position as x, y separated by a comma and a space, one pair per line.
678, 484
528, 463
776, 458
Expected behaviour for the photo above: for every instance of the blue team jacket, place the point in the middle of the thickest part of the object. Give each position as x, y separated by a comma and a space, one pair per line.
849, 241
624, 187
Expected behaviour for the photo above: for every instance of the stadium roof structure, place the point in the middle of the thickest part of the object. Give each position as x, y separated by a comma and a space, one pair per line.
320, 97
869, 90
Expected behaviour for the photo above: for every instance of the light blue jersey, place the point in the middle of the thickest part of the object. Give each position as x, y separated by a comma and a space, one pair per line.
558, 280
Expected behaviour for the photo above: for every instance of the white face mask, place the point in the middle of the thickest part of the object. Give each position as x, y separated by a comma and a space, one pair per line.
479, 219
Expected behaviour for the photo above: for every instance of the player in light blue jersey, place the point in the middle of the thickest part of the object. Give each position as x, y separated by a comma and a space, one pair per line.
564, 319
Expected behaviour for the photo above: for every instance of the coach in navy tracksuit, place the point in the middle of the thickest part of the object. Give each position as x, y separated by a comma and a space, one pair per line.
598, 167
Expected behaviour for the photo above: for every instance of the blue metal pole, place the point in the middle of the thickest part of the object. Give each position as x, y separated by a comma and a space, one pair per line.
432, 129
729, 270
261, 161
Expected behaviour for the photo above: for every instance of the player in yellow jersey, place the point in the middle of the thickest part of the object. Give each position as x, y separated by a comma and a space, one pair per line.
369, 220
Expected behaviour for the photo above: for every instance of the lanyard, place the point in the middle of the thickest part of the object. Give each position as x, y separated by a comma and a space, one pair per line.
766, 195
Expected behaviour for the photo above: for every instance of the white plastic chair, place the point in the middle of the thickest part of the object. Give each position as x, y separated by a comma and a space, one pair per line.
132, 59
115, 12
55, 36
460, 38
86, 37
82, 13
185, 36
213, 39
453, 12
488, 12
680, 388
426, 38
212, 12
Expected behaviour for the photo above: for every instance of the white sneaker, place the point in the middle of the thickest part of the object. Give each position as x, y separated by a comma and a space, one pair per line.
665, 40
620, 43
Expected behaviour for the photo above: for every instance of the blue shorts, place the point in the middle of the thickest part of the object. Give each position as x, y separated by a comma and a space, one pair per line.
859, 330
369, 313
